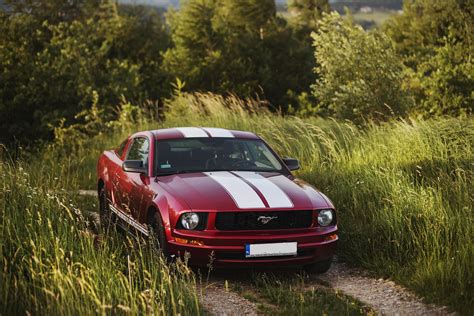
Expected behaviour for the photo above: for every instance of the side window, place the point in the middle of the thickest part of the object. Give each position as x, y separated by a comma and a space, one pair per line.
121, 148
139, 150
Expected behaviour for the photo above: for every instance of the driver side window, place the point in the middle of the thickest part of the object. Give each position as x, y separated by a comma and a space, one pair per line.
139, 150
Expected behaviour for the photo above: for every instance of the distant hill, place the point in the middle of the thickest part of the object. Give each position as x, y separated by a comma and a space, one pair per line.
167, 3
355, 5
156, 3
338, 5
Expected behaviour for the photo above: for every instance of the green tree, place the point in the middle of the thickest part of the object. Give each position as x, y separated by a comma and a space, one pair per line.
307, 13
304, 16
436, 41
196, 52
360, 75
142, 42
51, 66
55, 11
444, 83
238, 46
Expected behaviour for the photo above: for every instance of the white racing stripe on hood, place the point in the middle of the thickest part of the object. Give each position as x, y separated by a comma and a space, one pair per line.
272, 193
192, 132
218, 132
242, 194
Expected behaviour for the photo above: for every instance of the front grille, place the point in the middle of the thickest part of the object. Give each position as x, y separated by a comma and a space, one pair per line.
256, 220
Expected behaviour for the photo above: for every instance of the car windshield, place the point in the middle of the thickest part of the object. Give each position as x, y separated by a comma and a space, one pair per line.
213, 154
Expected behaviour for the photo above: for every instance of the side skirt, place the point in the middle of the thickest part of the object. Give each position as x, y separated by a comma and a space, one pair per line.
129, 220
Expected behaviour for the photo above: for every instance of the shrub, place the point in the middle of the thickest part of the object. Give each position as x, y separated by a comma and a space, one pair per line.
360, 75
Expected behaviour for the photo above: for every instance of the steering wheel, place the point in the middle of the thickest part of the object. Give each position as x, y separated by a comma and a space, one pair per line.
242, 163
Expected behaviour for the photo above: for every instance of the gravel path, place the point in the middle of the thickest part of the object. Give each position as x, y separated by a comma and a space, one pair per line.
384, 296
217, 300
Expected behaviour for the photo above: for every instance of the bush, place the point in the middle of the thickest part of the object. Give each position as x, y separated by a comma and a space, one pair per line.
360, 75
434, 38
51, 66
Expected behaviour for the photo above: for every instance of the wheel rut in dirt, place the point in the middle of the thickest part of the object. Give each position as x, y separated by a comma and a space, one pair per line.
219, 300
385, 296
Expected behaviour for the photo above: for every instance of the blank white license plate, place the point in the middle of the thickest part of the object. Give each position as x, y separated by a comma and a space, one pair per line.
271, 250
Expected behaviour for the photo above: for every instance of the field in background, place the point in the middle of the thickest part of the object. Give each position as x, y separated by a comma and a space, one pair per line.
403, 191
374, 18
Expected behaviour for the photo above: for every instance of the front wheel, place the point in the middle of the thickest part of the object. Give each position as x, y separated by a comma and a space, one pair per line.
104, 210
158, 235
319, 267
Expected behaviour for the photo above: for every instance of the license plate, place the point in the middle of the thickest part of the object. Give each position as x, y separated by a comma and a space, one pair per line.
271, 250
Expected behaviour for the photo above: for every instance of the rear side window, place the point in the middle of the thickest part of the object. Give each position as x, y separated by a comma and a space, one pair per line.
139, 150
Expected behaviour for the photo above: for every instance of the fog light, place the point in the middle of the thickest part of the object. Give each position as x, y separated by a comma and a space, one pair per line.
330, 237
189, 241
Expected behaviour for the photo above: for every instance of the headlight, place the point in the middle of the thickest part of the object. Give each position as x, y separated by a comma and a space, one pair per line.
325, 217
189, 220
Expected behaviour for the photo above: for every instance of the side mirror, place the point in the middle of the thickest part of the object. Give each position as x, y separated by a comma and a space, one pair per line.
135, 166
292, 163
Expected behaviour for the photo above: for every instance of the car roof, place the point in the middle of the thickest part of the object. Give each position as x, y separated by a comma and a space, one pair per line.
198, 132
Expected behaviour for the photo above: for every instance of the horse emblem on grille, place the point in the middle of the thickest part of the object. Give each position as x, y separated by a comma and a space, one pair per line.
266, 219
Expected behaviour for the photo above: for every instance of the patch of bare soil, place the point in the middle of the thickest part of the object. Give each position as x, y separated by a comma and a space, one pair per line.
384, 296
218, 300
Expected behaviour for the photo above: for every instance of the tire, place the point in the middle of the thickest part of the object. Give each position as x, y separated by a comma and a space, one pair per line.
104, 211
157, 234
319, 267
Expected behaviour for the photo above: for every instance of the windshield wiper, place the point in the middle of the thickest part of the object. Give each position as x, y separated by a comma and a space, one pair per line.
174, 172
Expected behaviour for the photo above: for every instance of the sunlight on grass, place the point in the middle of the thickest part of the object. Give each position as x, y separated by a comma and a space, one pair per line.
53, 264
403, 191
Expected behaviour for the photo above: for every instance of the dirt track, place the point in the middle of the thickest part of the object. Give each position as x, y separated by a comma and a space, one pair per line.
383, 296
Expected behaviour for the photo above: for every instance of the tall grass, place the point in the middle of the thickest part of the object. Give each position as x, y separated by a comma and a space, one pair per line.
52, 264
403, 190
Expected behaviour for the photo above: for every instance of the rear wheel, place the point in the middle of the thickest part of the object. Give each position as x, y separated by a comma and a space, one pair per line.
319, 267
157, 234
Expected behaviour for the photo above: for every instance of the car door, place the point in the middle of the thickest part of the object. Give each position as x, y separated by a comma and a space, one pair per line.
133, 186
116, 173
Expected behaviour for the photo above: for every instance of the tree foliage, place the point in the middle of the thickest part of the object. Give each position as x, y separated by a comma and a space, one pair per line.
237, 46
436, 41
58, 58
360, 75
52, 64
307, 13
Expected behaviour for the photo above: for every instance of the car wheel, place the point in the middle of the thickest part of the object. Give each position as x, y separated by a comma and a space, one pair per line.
157, 234
319, 267
104, 210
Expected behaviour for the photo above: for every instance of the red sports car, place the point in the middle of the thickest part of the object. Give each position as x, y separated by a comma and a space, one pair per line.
219, 194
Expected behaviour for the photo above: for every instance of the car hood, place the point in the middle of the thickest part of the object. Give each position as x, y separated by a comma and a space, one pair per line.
223, 190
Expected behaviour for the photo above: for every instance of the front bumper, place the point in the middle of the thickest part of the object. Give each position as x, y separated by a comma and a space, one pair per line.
227, 249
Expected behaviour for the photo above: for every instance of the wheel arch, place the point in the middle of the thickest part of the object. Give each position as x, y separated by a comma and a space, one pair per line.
163, 216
